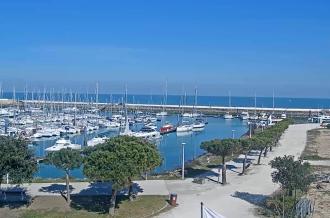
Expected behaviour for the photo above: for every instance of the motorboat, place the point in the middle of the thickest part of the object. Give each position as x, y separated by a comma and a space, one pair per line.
113, 125
228, 116
147, 133
263, 116
244, 115
150, 119
254, 117
117, 118
167, 128
96, 141
283, 116
162, 114
151, 125
63, 144
4, 113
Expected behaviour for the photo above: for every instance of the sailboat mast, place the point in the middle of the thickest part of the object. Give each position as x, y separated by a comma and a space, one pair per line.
229, 94
97, 94
166, 93
195, 104
255, 103
273, 101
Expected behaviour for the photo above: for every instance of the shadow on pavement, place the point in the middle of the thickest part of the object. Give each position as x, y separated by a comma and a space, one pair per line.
14, 197
55, 189
194, 173
256, 199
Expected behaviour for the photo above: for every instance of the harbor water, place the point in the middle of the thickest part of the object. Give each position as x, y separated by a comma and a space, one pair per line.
169, 145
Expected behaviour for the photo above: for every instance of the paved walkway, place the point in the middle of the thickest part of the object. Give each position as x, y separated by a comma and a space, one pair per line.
236, 199
150, 187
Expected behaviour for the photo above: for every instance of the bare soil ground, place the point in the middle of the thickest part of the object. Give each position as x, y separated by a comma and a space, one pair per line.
318, 145
320, 193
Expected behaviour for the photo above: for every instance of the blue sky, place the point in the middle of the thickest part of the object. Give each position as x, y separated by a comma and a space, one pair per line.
245, 46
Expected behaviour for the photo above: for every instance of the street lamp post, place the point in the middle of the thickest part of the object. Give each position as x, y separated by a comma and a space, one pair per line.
183, 144
233, 134
233, 137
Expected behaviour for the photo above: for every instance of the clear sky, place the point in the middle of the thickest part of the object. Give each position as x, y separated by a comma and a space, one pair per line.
245, 46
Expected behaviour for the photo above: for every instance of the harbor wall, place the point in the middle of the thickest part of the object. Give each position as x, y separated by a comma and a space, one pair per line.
154, 108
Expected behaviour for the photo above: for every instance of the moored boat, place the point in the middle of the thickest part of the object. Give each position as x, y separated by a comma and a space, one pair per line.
63, 144
184, 128
167, 128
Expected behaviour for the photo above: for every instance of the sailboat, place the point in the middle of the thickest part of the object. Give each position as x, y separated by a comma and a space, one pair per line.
227, 115
163, 113
255, 116
127, 131
194, 113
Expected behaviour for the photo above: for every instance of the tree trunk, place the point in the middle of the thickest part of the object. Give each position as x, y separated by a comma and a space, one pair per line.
290, 192
68, 200
244, 163
0, 188
259, 158
224, 169
130, 189
266, 151
113, 202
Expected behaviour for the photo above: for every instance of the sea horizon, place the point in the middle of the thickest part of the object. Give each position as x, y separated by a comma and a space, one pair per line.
173, 99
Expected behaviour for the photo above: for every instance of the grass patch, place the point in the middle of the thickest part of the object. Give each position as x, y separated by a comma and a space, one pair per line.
313, 157
58, 180
317, 145
56, 214
97, 206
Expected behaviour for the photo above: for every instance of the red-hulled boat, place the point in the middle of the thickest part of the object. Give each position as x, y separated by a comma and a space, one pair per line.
166, 129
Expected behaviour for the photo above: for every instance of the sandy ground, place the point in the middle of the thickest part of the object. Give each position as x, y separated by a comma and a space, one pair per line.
253, 187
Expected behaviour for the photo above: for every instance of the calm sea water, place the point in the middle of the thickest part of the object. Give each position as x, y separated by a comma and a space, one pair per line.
169, 146
176, 100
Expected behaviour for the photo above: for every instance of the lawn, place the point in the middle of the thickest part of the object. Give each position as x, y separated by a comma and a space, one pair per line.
88, 207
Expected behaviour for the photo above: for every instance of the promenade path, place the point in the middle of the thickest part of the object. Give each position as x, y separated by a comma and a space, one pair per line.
237, 199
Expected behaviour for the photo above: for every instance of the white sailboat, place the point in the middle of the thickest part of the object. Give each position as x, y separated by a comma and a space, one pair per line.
184, 128
227, 115
127, 131
255, 116
198, 126
163, 113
